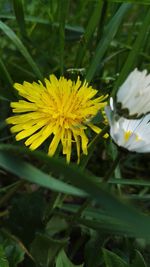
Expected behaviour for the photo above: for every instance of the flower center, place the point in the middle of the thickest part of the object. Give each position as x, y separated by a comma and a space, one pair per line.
127, 135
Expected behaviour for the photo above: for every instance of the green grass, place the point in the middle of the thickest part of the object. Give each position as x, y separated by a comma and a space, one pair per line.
58, 214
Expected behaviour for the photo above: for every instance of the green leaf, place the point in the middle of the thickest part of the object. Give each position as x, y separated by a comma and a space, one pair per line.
19, 13
4, 99
109, 34
3, 260
108, 225
13, 248
4, 73
113, 260
26, 209
93, 254
30, 173
23, 50
44, 249
5, 94
63, 261
138, 260
91, 26
142, 2
63, 10
138, 182
136, 222
77, 30
131, 60
56, 225
100, 220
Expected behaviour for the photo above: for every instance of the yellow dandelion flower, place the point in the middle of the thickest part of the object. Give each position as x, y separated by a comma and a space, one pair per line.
61, 108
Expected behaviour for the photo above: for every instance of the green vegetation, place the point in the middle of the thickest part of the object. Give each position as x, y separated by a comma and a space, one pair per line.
53, 214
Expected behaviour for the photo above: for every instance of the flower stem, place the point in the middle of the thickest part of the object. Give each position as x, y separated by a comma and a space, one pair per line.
112, 168
77, 215
11, 192
92, 146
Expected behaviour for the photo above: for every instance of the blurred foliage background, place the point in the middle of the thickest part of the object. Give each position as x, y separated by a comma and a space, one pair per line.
53, 214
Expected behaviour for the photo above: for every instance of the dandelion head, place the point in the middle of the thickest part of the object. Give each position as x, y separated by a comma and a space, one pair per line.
61, 109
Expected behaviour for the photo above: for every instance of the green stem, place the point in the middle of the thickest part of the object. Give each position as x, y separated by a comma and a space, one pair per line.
77, 215
4, 213
112, 168
83, 163
11, 192
92, 146
79, 243
63, 11
56, 200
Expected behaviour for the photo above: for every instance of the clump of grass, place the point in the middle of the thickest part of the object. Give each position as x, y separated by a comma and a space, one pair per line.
96, 213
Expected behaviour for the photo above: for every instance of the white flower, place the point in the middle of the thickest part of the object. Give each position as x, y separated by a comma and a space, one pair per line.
134, 135
134, 93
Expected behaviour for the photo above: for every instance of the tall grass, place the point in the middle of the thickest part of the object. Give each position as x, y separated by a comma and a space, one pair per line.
52, 213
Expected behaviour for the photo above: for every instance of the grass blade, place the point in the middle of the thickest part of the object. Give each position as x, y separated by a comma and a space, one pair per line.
19, 13
130, 182
63, 10
131, 61
142, 2
103, 45
5, 94
98, 220
74, 29
94, 19
32, 174
5, 74
138, 222
13, 37
92, 146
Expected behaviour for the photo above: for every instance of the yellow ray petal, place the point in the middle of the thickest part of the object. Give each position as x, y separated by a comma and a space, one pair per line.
84, 142
69, 144
95, 128
45, 133
25, 133
54, 144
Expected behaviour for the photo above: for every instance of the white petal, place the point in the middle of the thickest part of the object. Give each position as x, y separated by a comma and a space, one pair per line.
134, 93
133, 135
